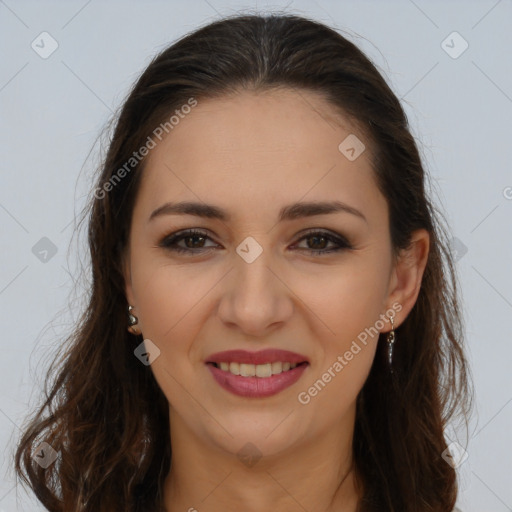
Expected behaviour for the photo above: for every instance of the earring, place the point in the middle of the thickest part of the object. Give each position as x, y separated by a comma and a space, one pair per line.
391, 341
132, 322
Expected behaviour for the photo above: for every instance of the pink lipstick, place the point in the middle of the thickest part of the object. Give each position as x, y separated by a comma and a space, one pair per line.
256, 374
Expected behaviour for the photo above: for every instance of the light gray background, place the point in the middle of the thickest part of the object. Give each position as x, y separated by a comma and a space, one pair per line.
53, 110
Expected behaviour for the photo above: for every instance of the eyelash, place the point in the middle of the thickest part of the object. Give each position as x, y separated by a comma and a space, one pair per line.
170, 241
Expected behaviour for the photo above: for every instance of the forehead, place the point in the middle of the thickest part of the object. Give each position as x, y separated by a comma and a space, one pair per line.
255, 148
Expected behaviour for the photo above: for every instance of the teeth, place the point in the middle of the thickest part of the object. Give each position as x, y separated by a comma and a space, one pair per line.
247, 370
277, 368
257, 370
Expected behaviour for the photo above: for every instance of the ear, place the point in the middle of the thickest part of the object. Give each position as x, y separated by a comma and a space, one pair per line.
127, 275
405, 282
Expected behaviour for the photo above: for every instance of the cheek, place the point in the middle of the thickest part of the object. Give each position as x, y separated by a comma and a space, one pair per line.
347, 305
169, 297
344, 300
170, 301
346, 339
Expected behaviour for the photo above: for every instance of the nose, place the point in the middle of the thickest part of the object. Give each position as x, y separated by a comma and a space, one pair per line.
256, 298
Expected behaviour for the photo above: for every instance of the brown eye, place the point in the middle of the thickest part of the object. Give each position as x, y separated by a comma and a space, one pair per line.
317, 242
193, 240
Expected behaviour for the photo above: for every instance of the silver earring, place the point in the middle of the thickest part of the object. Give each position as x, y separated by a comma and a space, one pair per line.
391, 341
132, 322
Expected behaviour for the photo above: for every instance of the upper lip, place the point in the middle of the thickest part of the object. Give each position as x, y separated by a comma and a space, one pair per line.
261, 357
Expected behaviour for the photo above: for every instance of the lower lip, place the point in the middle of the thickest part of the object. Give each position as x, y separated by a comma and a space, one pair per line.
256, 387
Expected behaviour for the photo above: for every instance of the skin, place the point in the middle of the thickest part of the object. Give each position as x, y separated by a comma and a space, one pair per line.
252, 153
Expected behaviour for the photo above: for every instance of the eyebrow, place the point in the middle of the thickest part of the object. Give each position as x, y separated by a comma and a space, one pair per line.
290, 212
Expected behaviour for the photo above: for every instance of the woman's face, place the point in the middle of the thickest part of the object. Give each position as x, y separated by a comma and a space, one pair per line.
252, 281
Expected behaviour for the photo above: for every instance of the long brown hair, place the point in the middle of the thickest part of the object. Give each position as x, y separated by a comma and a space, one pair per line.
105, 414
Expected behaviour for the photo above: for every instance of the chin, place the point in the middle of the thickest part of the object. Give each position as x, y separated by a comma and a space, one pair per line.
257, 437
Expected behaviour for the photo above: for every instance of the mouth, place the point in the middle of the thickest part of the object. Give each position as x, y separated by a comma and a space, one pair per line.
256, 374
251, 380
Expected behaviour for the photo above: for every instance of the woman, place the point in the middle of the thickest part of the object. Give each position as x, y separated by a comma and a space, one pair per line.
274, 306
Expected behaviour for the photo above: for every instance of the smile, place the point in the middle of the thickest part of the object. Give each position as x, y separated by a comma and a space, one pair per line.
256, 374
